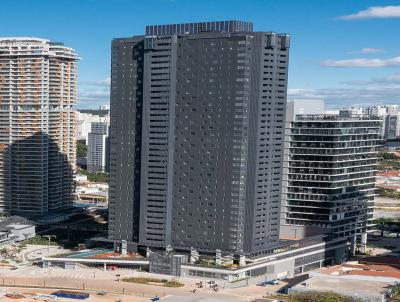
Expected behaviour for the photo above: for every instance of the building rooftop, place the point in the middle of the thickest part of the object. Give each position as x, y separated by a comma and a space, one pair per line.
389, 174
367, 289
20, 226
11, 46
198, 27
334, 117
14, 220
24, 39
362, 268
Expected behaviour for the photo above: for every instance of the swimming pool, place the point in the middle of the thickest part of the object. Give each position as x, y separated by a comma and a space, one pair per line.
89, 253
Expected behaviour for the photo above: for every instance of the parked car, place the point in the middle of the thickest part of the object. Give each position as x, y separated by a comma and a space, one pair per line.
270, 282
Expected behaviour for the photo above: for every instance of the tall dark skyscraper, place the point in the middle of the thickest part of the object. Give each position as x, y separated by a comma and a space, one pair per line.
196, 142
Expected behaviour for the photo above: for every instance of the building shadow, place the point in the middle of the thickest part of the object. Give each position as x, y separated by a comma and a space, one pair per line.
37, 177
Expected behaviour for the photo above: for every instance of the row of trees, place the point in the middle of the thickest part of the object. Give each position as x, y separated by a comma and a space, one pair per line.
95, 177
388, 156
320, 297
394, 296
390, 193
388, 160
391, 225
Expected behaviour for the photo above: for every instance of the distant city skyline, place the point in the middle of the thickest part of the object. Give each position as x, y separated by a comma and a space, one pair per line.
345, 51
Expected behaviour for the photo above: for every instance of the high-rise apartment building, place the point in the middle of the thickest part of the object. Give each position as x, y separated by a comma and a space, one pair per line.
390, 115
375, 111
85, 120
98, 148
392, 109
391, 126
197, 131
38, 88
330, 173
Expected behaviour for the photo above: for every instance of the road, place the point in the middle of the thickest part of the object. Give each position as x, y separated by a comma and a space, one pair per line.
198, 298
112, 286
37, 252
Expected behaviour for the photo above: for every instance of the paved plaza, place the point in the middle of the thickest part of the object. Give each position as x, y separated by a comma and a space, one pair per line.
96, 280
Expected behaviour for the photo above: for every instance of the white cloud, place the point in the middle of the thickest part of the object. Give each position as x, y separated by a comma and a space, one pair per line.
104, 82
93, 94
374, 12
387, 81
364, 92
393, 78
368, 50
303, 93
363, 62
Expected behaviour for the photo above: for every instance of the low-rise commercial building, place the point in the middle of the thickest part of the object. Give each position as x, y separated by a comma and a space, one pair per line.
16, 233
283, 261
22, 231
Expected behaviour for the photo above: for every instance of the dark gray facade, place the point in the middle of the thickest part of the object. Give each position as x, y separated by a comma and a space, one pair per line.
125, 138
391, 127
212, 129
166, 264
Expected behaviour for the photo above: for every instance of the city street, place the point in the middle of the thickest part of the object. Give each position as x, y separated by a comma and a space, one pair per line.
36, 252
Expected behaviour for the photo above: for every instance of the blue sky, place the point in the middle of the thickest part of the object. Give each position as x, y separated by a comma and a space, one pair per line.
346, 51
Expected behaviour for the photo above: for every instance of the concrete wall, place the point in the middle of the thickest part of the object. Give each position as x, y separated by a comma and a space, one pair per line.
298, 232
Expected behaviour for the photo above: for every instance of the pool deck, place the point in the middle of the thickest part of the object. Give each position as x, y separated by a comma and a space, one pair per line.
88, 253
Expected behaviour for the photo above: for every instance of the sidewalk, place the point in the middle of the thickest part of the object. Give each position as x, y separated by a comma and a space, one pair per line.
116, 287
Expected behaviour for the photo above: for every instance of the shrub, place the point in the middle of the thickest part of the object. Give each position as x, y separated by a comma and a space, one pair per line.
144, 280
173, 283
320, 297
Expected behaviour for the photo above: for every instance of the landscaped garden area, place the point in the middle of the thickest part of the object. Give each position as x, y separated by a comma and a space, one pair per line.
154, 281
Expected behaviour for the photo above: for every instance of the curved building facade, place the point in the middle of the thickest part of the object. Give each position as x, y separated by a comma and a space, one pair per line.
38, 89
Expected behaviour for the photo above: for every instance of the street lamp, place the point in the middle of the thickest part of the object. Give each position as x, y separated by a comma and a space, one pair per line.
49, 237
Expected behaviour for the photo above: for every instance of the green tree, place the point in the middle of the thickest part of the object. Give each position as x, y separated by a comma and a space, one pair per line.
382, 225
4, 252
95, 177
388, 155
320, 297
81, 149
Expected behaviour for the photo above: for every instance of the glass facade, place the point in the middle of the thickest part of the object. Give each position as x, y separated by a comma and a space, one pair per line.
330, 173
